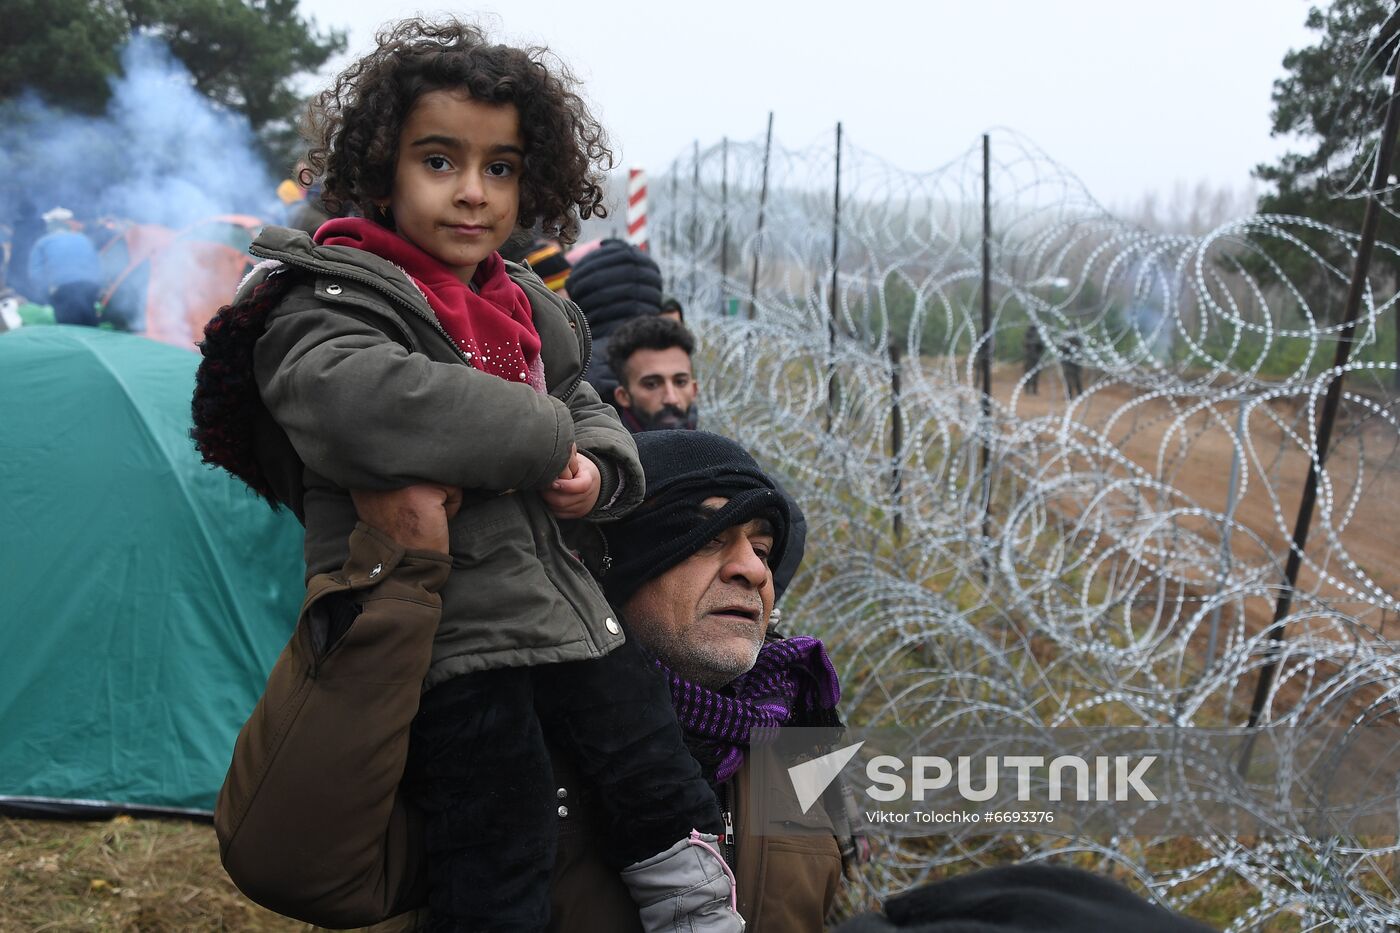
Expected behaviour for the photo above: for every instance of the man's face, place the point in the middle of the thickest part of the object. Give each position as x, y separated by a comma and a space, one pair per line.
705, 618
659, 387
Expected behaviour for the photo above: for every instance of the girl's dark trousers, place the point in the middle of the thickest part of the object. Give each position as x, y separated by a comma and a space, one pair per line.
479, 768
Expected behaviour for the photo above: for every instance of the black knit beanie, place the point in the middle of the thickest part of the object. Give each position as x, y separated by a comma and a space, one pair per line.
683, 469
1022, 899
614, 283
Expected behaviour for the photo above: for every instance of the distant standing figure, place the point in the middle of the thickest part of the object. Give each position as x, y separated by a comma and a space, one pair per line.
65, 271
1033, 348
1069, 361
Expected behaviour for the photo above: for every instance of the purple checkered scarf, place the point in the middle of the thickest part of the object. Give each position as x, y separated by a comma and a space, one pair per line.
792, 683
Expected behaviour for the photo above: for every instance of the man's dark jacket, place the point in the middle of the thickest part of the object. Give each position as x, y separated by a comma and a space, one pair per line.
611, 285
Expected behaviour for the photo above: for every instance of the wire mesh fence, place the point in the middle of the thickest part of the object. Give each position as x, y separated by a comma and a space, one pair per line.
1100, 540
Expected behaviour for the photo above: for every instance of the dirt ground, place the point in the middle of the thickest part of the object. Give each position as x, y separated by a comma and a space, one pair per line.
1194, 456
123, 876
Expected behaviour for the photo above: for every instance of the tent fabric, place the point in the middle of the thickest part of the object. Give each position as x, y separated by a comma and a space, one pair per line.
129, 245
173, 282
144, 596
126, 271
189, 281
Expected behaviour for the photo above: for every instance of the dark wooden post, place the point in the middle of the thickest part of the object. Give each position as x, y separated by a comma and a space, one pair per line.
896, 444
832, 389
723, 224
1278, 629
762, 201
984, 350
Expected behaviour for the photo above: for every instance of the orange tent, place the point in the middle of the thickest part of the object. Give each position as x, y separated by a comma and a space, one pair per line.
172, 285
128, 247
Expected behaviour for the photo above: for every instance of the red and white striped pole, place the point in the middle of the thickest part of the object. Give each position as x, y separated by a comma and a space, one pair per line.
637, 208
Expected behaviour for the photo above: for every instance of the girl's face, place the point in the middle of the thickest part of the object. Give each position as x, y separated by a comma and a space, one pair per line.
457, 180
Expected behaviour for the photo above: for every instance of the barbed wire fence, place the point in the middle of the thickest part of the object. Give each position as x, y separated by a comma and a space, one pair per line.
1101, 539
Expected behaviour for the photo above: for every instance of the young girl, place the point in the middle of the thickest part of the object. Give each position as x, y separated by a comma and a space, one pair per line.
397, 351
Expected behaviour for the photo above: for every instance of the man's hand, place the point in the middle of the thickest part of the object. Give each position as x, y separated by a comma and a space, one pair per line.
575, 492
415, 516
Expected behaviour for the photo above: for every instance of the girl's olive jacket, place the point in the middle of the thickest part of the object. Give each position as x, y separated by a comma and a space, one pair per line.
365, 390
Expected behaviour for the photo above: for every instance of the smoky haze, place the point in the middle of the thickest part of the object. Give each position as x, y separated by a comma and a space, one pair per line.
161, 153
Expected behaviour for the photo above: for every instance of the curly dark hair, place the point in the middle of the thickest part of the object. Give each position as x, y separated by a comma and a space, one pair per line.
354, 125
646, 332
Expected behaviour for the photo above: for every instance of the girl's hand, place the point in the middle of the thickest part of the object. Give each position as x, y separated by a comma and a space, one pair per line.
575, 492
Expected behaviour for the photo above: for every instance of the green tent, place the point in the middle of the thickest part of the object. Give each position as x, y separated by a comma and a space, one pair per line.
144, 596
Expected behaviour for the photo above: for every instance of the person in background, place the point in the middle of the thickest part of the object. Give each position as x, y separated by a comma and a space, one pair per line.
671, 308
611, 285
65, 271
651, 357
1032, 349
289, 198
547, 258
308, 214
1072, 348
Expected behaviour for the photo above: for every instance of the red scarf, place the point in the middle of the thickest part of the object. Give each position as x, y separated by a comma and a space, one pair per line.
493, 324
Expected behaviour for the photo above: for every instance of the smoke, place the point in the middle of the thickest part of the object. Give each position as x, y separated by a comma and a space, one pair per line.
1156, 330
162, 153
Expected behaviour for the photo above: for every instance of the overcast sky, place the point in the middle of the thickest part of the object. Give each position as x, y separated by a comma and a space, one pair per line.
1132, 96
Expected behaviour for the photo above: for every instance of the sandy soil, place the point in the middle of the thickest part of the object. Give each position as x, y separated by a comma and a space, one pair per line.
1194, 454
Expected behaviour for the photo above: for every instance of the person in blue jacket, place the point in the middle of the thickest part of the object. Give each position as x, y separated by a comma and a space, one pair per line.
65, 271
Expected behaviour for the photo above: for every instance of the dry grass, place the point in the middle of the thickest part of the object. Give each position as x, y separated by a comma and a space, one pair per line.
122, 875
